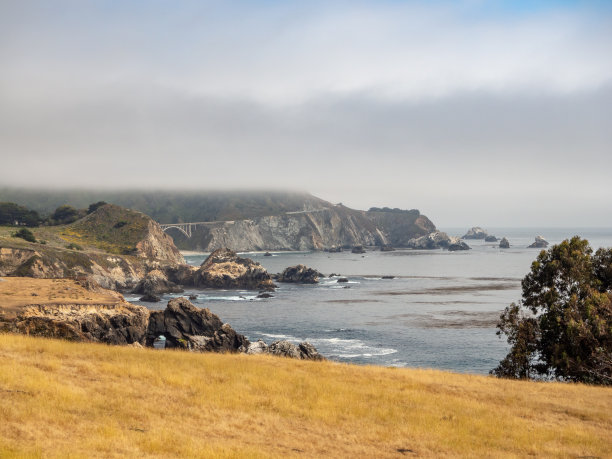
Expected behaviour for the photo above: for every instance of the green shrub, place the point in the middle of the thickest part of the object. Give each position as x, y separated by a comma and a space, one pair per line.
26, 234
73, 246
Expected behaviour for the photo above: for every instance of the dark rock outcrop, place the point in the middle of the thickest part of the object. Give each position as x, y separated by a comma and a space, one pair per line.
300, 274
358, 249
386, 248
225, 269
342, 279
155, 283
504, 243
490, 238
539, 243
475, 233
458, 246
150, 298
302, 351
188, 327
122, 323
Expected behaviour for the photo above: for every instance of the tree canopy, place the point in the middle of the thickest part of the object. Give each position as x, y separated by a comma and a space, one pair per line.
562, 328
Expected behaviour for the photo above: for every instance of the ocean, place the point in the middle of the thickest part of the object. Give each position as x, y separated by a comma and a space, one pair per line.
438, 311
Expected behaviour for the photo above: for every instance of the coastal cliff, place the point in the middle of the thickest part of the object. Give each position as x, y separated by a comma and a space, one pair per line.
319, 229
113, 246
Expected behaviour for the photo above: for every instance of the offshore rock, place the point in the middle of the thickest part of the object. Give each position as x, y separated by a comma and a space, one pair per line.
386, 248
504, 243
540, 243
300, 274
490, 238
188, 327
435, 240
458, 246
475, 233
225, 269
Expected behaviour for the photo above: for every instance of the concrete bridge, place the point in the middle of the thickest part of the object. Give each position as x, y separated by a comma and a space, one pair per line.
187, 228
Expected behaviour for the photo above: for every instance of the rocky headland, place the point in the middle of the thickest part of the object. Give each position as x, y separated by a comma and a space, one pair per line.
83, 311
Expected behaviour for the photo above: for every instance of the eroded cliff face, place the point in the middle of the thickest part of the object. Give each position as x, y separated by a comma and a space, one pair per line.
334, 226
110, 271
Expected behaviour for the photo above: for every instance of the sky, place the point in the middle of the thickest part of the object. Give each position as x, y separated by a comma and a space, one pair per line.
489, 113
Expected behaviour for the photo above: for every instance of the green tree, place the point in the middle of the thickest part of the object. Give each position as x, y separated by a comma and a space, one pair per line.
93, 207
13, 214
562, 328
65, 214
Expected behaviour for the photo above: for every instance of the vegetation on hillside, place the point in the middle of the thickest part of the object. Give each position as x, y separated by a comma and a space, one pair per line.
64, 399
172, 206
109, 228
15, 215
562, 328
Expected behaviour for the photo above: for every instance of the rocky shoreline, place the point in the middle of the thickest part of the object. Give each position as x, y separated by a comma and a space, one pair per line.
67, 309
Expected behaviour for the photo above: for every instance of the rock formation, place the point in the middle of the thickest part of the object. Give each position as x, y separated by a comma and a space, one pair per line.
358, 249
225, 269
460, 245
435, 240
490, 238
188, 327
300, 274
64, 309
539, 243
302, 351
475, 233
504, 243
156, 282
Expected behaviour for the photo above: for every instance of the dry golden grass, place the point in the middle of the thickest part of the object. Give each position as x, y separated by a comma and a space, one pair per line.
63, 399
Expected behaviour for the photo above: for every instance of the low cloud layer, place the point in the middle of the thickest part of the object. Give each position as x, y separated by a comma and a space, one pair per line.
469, 111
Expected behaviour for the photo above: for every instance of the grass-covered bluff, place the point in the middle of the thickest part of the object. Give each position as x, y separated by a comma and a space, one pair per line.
63, 399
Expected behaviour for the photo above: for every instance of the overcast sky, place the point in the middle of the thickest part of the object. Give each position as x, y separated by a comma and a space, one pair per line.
488, 113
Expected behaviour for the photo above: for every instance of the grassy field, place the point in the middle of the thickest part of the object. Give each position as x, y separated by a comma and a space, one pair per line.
63, 399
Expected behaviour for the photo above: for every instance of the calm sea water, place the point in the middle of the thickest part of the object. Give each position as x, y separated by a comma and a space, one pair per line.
439, 311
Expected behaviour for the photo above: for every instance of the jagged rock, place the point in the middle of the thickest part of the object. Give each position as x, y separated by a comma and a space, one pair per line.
335, 249
504, 243
188, 327
475, 233
154, 283
267, 254
193, 297
303, 351
342, 279
540, 243
386, 248
264, 295
150, 298
435, 240
300, 274
258, 347
225, 269
458, 246
490, 238
358, 249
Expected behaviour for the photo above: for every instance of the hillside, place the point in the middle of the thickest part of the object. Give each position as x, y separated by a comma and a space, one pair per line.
113, 246
88, 400
171, 206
